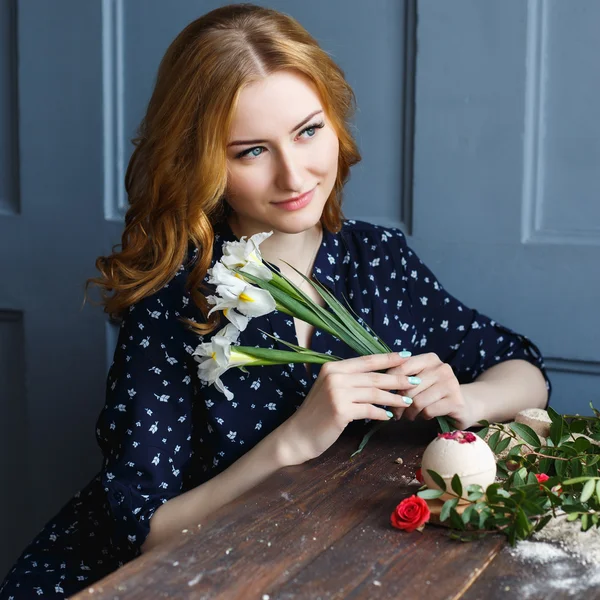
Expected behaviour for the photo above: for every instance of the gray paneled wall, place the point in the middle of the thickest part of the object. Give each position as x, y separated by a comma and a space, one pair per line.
478, 125
507, 141
563, 123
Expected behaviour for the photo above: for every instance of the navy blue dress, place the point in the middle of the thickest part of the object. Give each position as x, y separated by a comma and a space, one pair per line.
163, 432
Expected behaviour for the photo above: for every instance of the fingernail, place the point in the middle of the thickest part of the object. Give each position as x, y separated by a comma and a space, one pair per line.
389, 414
407, 400
405, 353
414, 380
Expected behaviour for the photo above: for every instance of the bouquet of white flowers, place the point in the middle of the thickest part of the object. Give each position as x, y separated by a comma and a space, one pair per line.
246, 287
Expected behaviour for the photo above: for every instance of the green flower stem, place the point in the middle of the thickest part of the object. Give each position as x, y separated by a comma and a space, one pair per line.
344, 317
271, 356
311, 313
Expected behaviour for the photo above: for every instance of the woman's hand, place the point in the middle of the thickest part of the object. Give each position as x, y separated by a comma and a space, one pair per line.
437, 391
345, 391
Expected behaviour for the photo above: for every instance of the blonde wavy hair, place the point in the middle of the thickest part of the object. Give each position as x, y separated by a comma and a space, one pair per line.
177, 175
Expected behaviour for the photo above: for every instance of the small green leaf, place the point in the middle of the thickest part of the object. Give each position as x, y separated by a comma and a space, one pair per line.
467, 513
588, 490
445, 512
474, 496
430, 494
531, 508
577, 426
544, 465
518, 478
582, 444
572, 516
367, 436
575, 480
557, 428
502, 445
593, 460
494, 439
598, 490
455, 519
483, 515
515, 451
531, 478
528, 435
474, 487
584, 522
438, 480
456, 485
576, 467
554, 416
483, 432
523, 524
542, 523
502, 471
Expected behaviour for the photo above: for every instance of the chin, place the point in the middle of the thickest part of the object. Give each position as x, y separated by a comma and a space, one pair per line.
298, 222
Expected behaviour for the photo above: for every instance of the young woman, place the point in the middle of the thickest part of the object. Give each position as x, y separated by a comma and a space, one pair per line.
247, 131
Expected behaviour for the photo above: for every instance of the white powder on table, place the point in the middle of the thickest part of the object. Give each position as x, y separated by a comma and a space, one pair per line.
560, 556
585, 544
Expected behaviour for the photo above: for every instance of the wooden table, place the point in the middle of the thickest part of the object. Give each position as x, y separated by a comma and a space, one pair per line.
322, 530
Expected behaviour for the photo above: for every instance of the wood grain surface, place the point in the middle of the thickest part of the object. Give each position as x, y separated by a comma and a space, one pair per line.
322, 530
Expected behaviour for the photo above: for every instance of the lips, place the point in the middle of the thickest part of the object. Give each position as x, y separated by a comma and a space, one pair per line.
298, 203
296, 199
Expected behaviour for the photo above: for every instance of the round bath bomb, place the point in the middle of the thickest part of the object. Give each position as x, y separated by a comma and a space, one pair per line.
462, 453
537, 419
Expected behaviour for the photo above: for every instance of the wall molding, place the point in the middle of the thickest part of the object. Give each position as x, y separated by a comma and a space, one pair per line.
10, 196
533, 230
405, 222
408, 115
113, 86
11, 316
568, 365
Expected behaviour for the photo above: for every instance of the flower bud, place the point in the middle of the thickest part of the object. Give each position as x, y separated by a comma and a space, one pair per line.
512, 464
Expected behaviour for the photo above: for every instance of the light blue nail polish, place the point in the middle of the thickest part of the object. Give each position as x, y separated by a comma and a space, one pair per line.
389, 414
405, 353
414, 380
408, 401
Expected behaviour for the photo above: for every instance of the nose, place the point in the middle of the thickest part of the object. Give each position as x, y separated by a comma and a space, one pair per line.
289, 172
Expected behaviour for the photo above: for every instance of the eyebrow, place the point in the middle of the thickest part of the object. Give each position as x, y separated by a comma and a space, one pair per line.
244, 142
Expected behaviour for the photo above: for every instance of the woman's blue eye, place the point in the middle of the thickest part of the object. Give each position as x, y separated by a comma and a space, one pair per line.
250, 151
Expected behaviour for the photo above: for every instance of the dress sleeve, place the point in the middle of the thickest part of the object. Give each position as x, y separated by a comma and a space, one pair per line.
144, 430
469, 341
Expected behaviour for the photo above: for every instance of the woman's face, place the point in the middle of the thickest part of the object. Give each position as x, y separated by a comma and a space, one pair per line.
289, 148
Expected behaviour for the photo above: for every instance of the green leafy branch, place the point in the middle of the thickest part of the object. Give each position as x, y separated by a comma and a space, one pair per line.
519, 504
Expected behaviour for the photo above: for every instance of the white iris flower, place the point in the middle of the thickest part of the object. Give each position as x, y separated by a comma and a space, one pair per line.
246, 256
217, 356
238, 300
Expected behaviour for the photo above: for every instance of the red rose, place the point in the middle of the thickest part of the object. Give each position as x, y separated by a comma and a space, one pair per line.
419, 476
412, 513
541, 477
